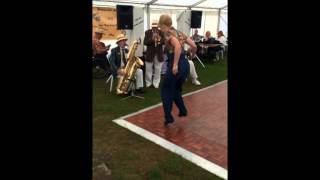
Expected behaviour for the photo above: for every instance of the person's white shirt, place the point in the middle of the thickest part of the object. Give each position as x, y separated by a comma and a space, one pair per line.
122, 50
222, 40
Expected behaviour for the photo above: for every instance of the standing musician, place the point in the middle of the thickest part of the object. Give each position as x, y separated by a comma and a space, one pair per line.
154, 41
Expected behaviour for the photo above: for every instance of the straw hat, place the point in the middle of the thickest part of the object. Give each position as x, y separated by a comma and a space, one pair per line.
154, 23
121, 37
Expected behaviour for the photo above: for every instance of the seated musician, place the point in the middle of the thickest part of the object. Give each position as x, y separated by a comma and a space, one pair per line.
118, 62
196, 37
222, 39
100, 51
209, 40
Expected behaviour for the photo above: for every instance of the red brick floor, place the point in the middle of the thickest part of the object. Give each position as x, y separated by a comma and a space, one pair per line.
203, 131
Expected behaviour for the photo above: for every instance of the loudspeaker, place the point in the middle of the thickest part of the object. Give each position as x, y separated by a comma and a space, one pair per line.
196, 19
124, 17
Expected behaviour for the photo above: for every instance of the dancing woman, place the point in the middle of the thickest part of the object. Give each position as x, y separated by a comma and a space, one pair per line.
177, 70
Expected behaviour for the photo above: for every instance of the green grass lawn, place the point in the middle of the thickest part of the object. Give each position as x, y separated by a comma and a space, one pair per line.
130, 156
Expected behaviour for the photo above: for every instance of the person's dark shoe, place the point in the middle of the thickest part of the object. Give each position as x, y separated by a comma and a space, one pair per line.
168, 121
181, 114
140, 91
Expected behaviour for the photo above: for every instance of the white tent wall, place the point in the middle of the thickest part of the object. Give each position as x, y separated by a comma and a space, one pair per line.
223, 26
209, 23
138, 29
184, 22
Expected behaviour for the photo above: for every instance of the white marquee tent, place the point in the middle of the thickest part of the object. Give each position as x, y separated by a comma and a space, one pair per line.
214, 14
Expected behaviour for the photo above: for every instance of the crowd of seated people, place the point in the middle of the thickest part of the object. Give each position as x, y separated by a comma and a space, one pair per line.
208, 46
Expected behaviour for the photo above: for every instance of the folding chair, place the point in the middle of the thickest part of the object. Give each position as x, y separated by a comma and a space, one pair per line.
110, 80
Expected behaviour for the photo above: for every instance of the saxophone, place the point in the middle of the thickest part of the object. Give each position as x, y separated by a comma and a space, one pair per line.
133, 63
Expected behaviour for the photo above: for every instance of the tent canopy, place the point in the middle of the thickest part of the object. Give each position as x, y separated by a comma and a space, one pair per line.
202, 4
214, 17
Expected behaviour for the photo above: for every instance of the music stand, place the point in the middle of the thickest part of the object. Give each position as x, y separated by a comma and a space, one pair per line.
132, 88
199, 60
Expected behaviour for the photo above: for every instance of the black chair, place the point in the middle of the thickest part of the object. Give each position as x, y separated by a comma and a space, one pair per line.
100, 68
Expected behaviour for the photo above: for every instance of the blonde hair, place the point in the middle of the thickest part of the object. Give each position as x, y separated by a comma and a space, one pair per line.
165, 20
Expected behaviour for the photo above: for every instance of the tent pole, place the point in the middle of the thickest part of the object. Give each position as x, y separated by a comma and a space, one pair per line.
219, 14
204, 22
148, 15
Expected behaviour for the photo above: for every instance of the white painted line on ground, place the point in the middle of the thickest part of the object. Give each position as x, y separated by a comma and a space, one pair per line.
193, 92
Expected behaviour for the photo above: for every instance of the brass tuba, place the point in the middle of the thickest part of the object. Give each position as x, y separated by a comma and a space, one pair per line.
133, 63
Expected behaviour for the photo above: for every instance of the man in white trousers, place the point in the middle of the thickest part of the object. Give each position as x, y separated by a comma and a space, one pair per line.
154, 41
193, 74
